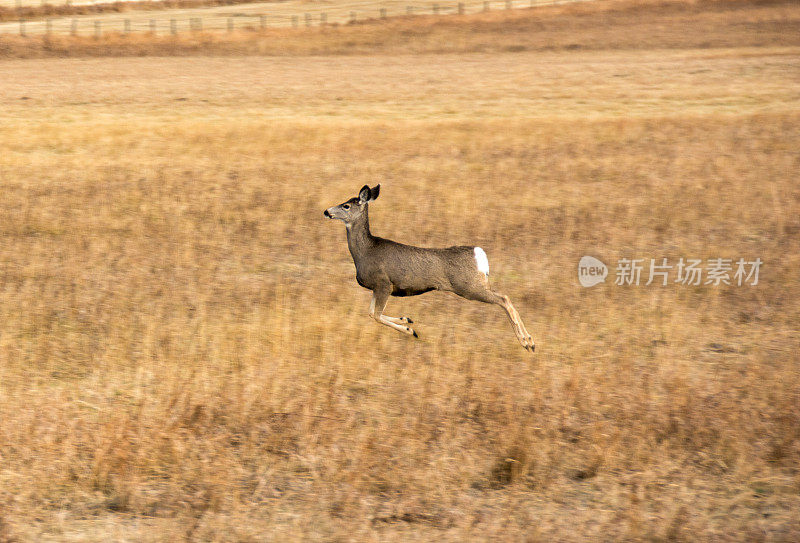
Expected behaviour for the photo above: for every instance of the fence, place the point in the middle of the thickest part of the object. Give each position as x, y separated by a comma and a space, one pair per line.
219, 19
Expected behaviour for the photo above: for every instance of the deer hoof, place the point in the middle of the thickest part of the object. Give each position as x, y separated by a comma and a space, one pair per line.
414, 333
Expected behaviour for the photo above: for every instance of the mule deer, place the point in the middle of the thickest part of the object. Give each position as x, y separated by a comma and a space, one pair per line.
388, 268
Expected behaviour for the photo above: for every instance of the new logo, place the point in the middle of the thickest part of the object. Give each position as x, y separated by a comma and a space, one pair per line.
591, 271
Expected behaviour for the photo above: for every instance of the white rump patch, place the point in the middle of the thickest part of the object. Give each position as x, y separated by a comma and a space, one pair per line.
482, 261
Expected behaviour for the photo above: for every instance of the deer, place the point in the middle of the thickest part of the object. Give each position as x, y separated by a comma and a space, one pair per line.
388, 268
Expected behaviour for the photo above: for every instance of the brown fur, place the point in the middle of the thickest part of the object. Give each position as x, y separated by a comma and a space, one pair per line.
388, 268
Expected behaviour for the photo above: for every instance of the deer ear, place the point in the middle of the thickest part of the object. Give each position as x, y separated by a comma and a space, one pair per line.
374, 191
363, 195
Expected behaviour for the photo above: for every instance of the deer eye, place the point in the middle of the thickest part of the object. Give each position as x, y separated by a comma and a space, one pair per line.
346, 206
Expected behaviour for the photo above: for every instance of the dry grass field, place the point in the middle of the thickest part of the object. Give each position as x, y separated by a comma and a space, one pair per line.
594, 25
29, 9
185, 353
214, 14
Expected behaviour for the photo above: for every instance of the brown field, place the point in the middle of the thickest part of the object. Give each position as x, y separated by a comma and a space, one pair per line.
185, 353
600, 25
215, 13
30, 9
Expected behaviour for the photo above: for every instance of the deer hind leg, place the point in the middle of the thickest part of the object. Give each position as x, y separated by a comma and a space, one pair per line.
519, 327
484, 294
380, 296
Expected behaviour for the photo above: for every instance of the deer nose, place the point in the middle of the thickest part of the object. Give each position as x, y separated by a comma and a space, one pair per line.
327, 214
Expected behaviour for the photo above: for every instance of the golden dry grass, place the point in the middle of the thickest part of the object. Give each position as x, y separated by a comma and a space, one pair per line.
185, 354
215, 15
612, 24
37, 10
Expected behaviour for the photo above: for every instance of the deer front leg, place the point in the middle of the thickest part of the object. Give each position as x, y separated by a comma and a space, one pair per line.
399, 320
379, 298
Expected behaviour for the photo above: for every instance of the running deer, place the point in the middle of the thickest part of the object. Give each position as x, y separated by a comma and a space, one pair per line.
388, 268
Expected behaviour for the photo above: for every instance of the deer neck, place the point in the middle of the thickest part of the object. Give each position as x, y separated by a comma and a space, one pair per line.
359, 239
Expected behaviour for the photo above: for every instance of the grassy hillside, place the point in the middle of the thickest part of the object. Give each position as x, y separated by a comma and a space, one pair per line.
185, 353
606, 25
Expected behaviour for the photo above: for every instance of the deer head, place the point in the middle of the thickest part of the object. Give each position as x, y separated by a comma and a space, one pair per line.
354, 208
